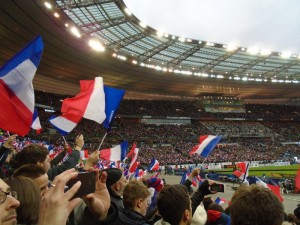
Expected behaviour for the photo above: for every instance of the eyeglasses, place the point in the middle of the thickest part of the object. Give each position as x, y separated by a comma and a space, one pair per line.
3, 195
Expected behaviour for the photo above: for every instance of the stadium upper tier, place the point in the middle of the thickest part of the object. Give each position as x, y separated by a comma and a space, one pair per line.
146, 63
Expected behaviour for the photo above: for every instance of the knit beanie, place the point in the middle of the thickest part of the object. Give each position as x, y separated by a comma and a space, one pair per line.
113, 175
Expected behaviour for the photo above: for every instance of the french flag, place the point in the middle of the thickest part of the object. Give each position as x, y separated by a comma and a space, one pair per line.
36, 124
133, 162
242, 174
154, 165
274, 188
206, 144
16, 90
117, 153
89, 103
184, 177
113, 98
220, 201
84, 154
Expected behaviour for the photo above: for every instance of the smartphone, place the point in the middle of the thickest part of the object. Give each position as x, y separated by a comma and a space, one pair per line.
217, 187
87, 183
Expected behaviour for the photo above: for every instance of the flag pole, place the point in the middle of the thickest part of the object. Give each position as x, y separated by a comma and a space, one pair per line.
65, 140
102, 141
204, 161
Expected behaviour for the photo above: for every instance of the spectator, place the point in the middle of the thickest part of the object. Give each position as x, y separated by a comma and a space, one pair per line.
116, 183
8, 204
29, 196
38, 154
36, 173
255, 205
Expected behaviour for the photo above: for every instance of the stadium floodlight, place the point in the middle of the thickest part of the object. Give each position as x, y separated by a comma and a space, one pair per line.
143, 25
96, 45
66, 25
56, 15
127, 11
75, 31
134, 62
210, 44
253, 50
244, 78
265, 52
182, 39
286, 55
159, 33
48, 5
231, 47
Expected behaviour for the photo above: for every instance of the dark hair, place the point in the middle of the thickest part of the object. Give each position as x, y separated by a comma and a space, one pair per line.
216, 207
30, 154
30, 170
255, 205
172, 201
206, 202
29, 196
133, 191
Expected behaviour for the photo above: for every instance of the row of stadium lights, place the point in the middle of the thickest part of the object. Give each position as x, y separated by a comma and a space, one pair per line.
97, 46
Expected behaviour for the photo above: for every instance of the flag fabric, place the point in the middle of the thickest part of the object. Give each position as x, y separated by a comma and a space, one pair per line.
184, 177
220, 201
89, 103
133, 167
297, 180
154, 165
36, 124
242, 174
132, 151
113, 98
16, 90
206, 145
116, 153
133, 162
84, 154
274, 188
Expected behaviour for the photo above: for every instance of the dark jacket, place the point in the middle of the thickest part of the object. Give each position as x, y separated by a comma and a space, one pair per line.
70, 163
116, 199
199, 194
115, 217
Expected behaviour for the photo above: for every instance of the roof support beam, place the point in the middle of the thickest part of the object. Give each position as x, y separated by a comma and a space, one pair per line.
217, 61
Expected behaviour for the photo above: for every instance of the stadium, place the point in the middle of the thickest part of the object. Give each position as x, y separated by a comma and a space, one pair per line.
177, 90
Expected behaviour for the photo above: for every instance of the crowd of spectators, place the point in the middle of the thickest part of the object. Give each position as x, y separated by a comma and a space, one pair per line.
170, 144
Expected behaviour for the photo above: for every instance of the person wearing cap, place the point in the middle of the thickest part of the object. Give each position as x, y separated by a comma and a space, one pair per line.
116, 183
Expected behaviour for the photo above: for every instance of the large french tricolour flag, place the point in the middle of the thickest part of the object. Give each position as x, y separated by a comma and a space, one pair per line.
154, 165
16, 90
220, 201
207, 144
89, 103
117, 153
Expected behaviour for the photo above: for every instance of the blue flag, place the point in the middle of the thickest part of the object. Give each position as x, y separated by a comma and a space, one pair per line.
113, 98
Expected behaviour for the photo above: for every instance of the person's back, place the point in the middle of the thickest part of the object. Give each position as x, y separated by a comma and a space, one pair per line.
255, 205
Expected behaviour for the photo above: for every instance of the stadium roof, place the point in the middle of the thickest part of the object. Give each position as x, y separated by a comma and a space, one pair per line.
139, 59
